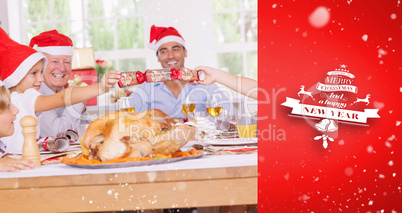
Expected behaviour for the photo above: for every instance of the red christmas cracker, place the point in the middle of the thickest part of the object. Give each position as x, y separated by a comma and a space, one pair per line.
160, 75
186, 74
131, 78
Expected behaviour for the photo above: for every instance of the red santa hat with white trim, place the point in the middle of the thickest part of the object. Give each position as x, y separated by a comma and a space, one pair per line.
161, 35
53, 43
16, 60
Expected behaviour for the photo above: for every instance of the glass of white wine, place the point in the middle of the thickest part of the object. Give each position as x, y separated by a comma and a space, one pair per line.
214, 105
124, 105
188, 107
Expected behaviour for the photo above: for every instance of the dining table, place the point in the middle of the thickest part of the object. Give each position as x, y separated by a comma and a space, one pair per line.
209, 180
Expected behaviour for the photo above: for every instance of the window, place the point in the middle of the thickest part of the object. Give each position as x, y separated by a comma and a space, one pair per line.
118, 29
113, 27
235, 26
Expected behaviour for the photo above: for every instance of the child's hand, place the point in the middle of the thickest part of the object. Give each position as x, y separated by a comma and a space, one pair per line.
109, 79
14, 165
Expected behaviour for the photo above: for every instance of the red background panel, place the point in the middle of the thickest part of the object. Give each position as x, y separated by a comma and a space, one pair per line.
361, 170
88, 76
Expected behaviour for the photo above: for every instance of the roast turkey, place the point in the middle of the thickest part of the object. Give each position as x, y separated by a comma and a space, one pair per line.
131, 134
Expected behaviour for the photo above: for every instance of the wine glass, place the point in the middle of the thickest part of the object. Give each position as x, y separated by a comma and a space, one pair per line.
214, 105
124, 105
188, 107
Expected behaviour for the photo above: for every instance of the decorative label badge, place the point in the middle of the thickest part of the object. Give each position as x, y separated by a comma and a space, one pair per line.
334, 100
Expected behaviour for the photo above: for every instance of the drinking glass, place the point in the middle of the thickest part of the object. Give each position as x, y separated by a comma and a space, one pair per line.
188, 106
124, 105
246, 126
214, 105
200, 117
226, 121
81, 128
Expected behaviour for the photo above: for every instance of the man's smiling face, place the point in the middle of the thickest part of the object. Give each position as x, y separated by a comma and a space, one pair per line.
171, 55
57, 71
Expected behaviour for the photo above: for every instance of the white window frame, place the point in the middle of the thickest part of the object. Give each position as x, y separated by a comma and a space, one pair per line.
243, 47
112, 55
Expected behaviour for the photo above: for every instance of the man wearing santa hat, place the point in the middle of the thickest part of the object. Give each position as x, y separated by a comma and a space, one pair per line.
58, 50
170, 49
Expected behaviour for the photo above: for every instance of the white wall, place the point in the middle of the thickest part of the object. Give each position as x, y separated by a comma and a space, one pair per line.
192, 19
12, 18
4, 15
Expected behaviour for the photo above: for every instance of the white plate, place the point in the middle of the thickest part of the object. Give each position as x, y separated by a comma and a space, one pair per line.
229, 134
136, 163
233, 142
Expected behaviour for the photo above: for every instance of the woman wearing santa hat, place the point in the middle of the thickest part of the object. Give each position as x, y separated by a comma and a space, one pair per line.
58, 50
21, 70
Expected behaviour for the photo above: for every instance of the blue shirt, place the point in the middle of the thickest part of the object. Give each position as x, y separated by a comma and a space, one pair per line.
158, 96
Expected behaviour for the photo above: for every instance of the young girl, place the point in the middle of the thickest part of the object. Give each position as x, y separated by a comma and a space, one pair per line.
8, 114
21, 70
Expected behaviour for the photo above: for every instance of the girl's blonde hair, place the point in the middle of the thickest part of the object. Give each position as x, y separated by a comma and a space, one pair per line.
4, 98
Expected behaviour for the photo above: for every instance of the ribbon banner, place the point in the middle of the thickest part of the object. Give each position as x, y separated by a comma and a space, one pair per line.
350, 75
334, 88
330, 113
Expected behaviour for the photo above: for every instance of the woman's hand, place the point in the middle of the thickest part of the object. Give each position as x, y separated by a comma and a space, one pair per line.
211, 75
14, 165
109, 79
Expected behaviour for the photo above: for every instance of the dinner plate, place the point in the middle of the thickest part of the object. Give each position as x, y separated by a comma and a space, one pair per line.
233, 141
229, 134
135, 163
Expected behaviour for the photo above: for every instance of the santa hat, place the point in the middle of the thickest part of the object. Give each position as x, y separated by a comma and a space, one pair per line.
16, 60
53, 43
1, 83
161, 35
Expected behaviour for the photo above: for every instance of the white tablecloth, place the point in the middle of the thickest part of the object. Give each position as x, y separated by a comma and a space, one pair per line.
207, 161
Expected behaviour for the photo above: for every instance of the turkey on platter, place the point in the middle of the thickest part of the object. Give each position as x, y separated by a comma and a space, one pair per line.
131, 134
